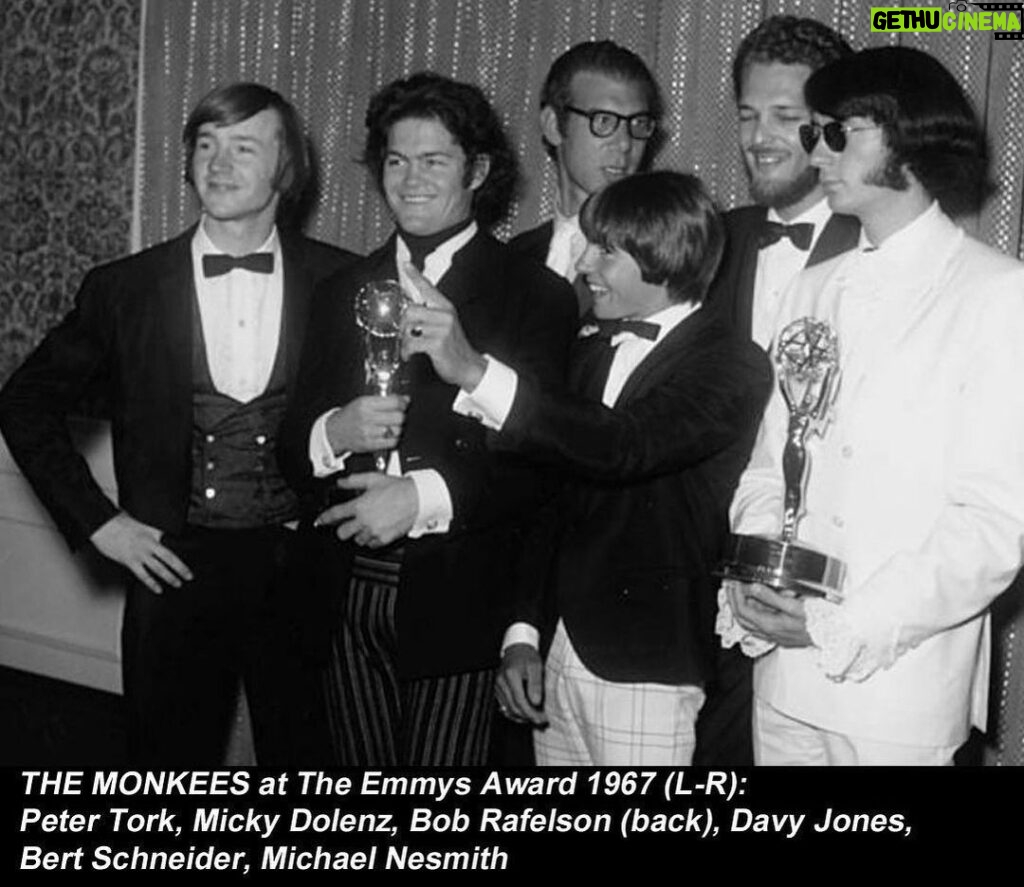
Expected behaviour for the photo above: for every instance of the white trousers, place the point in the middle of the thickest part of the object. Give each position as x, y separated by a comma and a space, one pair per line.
782, 741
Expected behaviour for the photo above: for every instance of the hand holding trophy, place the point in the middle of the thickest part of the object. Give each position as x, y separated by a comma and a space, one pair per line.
379, 308
807, 364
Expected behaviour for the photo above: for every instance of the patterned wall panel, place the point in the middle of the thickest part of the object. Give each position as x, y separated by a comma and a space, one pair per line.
68, 84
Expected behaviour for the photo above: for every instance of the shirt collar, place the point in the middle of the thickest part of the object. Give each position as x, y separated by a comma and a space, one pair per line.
911, 236
564, 223
669, 318
437, 263
202, 243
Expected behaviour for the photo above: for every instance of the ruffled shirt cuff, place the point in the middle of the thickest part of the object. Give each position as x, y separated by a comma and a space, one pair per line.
732, 633
845, 653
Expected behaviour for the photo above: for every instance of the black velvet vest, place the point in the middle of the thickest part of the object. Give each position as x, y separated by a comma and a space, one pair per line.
236, 483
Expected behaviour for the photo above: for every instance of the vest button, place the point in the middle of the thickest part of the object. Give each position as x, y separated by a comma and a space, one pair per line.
261, 439
209, 438
210, 492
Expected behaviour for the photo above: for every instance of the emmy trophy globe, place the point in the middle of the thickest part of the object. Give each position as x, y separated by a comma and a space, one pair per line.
380, 306
807, 366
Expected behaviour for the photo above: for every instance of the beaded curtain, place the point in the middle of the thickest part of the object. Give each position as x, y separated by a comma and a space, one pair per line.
328, 56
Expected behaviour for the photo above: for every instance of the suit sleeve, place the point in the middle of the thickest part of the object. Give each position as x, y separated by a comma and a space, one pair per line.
323, 381
501, 484
37, 399
707, 403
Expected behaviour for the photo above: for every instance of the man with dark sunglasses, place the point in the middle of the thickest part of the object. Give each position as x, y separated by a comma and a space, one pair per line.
599, 114
789, 227
918, 482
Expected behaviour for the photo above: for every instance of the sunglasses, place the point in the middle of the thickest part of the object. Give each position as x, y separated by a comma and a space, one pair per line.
834, 132
605, 123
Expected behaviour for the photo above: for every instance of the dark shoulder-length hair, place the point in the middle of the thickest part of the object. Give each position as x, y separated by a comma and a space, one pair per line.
928, 122
225, 105
473, 123
667, 222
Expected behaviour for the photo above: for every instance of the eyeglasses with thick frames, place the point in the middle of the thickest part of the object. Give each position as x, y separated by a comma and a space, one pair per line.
605, 123
835, 133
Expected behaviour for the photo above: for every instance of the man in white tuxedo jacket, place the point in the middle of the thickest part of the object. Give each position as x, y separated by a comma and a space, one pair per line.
918, 483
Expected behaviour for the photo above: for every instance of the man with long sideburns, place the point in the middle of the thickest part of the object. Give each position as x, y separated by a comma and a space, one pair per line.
195, 344
918, 482
789, 227
424, 553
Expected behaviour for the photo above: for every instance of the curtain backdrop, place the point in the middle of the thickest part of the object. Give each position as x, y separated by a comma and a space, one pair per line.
328, 56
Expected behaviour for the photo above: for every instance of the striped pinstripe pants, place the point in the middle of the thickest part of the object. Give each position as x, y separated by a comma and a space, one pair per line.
377, 719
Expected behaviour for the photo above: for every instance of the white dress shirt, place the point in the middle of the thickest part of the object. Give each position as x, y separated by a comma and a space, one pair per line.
777, 268
240, 312
492, 399
917, 484
566, 247
435, 510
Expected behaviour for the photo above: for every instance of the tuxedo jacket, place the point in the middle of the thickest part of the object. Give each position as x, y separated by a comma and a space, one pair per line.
130, 333
535, 243
455, 587
732, 293
641, 519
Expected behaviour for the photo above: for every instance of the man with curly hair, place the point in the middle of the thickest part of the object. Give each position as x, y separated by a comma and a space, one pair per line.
789, 227
421, 559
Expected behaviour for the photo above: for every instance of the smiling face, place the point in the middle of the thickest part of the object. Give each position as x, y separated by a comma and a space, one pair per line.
619, 290
586, 163
425, 179
234, 169
771, 108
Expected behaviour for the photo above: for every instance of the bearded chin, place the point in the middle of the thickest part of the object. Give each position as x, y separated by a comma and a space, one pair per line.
779, 195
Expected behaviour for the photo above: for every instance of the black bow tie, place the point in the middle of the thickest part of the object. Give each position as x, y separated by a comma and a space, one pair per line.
773, 232
606, 329
216, 264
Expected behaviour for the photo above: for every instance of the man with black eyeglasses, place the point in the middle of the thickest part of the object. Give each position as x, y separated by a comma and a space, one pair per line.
599, 113
789, 227
917, 485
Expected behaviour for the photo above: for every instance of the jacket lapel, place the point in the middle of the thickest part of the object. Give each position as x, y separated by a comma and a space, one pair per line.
740, 264
841, 233
295, 300
536, 242
171, 323
663, 355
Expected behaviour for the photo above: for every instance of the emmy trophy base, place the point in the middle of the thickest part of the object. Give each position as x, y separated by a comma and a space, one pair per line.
784, 566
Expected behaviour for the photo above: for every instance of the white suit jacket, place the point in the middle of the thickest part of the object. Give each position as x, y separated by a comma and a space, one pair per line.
917, 484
